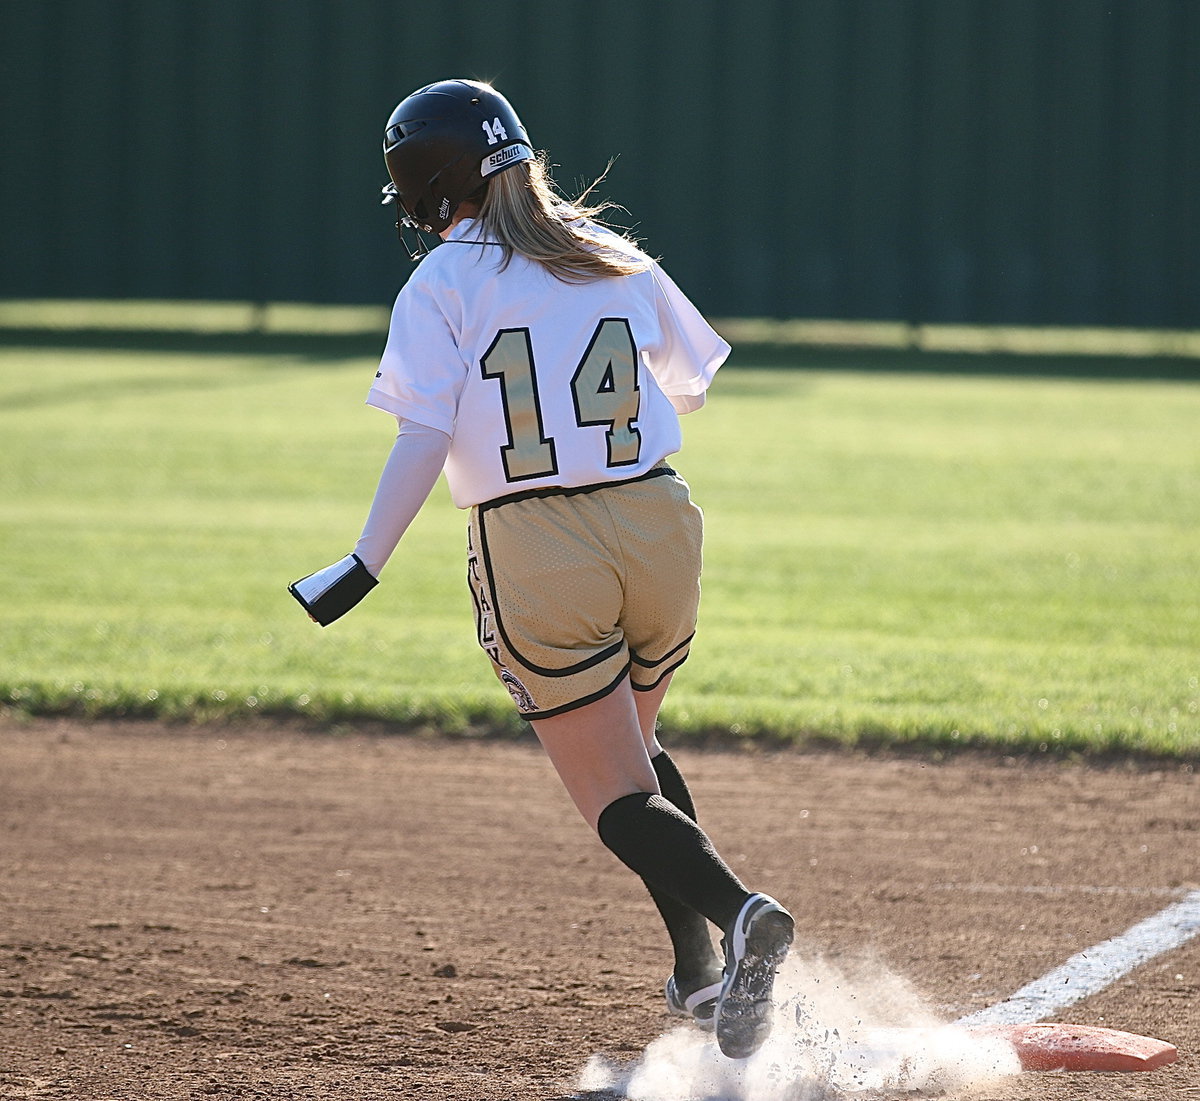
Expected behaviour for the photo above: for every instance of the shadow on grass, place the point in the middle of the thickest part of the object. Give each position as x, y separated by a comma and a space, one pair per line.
321, 348
916, 361
316, 348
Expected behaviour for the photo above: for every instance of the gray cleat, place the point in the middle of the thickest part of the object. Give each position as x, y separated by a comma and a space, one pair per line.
755, 946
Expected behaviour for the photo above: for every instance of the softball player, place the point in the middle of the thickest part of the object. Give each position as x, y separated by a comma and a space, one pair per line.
542, 361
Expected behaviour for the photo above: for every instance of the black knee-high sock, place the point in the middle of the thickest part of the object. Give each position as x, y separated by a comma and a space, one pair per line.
666, 848
695, 960
672, 784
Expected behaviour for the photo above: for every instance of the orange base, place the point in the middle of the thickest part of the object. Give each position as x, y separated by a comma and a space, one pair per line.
1043, 1047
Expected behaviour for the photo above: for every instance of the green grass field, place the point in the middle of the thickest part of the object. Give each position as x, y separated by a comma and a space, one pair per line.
891, 558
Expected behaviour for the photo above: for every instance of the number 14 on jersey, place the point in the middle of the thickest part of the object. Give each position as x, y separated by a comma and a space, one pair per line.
604, 389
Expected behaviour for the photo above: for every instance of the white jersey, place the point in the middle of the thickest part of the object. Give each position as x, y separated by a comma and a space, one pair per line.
540, 382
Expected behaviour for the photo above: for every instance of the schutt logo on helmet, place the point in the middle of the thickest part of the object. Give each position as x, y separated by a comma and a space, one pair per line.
502, 158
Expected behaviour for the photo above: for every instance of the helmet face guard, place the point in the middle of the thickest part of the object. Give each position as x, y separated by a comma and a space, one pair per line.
406, 227
441, 144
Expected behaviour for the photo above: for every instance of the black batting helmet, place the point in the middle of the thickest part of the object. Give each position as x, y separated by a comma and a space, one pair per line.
440, 145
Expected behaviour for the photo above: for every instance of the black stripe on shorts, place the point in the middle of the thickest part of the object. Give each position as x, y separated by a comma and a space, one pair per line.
659, 471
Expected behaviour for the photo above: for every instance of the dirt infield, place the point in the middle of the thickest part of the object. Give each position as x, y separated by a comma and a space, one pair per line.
273, 913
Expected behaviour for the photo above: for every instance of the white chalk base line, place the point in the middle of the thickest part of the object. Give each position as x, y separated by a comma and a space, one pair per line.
1096, 968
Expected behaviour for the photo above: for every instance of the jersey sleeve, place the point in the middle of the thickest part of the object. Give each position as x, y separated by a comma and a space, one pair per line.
421, 373
691, 350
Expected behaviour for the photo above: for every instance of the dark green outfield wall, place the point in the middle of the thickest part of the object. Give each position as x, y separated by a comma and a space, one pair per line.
1021, 161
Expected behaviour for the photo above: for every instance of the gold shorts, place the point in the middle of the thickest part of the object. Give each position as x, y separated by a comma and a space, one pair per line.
575, 588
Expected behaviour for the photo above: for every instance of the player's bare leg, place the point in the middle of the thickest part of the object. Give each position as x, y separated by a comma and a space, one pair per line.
648, 704
602, 754
598, 752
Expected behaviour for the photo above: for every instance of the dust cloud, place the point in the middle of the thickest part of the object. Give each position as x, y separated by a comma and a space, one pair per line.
840, 1031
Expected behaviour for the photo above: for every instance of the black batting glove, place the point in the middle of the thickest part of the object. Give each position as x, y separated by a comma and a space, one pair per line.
330, 593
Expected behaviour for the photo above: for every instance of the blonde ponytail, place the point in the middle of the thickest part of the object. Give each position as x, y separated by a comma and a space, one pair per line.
522, 212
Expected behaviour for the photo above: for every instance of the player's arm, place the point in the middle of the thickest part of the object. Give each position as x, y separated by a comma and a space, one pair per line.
408, 477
